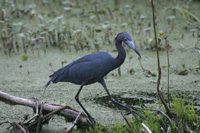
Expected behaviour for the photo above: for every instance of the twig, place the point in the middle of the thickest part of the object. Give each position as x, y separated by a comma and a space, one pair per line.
148, 130
25, 128
49, 114
36, 110
1, 123
36, 104
20, 127
147, 70
162, 130
55, 111
74, 123
39, 119
160, 111
5, 122
14, 125
67, 106
199, 58
168, 129
168, 65
167, 118
127, 122
36, 115
159, 69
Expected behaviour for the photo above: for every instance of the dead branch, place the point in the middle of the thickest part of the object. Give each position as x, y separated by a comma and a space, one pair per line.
74, 123
161, 112
147, 129
128, 123
66, 111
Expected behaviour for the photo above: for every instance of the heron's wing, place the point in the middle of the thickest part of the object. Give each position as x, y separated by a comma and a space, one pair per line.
87, 68
85, 71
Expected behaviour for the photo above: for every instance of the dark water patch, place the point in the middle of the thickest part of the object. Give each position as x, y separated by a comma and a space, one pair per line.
190, 96
129, 100
147, 94
145, 99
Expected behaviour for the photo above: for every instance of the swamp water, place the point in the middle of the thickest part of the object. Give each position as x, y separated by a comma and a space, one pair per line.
129, 89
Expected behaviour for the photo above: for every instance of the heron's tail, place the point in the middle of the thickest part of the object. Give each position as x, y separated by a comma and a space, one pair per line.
47, 84
45, 87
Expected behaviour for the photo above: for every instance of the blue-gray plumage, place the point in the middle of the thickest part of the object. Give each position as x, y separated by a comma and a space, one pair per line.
90, 68
93, 67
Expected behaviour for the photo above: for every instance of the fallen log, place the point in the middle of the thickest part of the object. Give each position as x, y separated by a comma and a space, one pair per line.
68, 112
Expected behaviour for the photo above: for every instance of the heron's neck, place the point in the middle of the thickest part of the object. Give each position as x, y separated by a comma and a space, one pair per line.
121, 54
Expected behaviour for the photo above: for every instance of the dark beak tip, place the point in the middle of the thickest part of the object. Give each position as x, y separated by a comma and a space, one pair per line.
137, 52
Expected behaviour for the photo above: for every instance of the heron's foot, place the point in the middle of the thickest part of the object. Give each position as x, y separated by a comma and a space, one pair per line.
134, 113
93, 122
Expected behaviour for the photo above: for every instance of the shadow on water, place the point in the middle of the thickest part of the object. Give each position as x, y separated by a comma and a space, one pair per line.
129, 100
143, 98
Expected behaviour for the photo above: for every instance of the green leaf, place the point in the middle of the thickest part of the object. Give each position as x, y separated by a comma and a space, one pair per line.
64, 62
164, 66
24, 58
184, 72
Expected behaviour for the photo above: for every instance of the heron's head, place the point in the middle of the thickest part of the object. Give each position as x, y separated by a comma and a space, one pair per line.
126, 38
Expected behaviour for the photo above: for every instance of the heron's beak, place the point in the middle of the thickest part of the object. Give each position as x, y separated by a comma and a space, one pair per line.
130, 44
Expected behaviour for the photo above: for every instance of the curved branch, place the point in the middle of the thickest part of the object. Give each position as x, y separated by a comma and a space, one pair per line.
68, 112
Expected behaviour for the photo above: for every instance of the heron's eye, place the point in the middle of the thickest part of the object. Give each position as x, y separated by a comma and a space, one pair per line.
125, 39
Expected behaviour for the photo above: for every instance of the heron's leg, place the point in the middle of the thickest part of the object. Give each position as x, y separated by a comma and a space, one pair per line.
77, 99
114, 101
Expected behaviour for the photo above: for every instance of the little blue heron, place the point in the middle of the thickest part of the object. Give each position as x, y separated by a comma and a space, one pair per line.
92, 68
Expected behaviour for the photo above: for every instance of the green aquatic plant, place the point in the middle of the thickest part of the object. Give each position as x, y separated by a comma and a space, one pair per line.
185, 113
184, 71
188, 16
63, 62
25, 59
184, 117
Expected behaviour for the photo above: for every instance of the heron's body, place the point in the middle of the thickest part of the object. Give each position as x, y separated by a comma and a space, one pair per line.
93, 67
90, 69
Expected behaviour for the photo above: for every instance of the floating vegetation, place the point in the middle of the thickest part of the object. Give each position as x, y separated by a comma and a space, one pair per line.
34, 28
